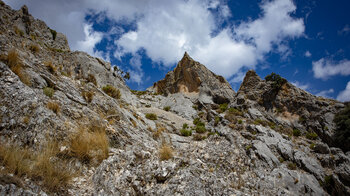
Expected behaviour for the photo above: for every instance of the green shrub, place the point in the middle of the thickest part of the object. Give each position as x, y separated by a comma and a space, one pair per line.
196, 121
281, 159
312, 145
296, 132
277, 80
151, 116
235, 111
48, 91
292, 166
223, 107
311, 135
186, 132
200, 129
195, 107
185, 126
240, 121
166, 108
217, 120
342, 131
111, 91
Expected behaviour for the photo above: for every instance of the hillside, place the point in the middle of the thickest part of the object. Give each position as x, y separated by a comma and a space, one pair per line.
69, 125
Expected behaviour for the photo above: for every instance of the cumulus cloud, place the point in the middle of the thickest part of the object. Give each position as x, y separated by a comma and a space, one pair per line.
325, 93
300, 85
325, 68
308, 54
345, 94
166, 29
91, 39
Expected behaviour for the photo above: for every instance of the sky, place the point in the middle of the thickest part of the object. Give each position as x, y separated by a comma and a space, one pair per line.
306, 42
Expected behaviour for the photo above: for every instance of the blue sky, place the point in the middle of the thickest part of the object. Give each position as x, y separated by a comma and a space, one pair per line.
307, 42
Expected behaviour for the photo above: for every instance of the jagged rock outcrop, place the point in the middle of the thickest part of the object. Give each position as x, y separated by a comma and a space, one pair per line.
54, 101
190, 76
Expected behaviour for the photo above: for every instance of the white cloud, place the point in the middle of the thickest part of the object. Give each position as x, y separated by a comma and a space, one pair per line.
308, 54
91, 39
325, 68
325, 93
300, 85
166, 29
345, 30
345, 94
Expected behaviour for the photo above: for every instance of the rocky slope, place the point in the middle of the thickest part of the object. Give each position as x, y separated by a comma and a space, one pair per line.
65, 129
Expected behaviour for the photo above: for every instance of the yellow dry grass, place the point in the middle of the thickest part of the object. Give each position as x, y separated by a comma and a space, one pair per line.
165, 152
90, 144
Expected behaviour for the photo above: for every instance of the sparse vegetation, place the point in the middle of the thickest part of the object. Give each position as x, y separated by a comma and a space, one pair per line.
277, 81
111, 91
151, 116
216, 120
91, 78
312, 145
138, 93
90, 143
158, 133
292, 166
296, 132
54, 175
223, 107
200, 128
54, 106
167, 108
281, 159
311, 135
165, 152
48, 91
16, 66
186, 132
19, 31
52, 68
199, 137
34, 48
88, 95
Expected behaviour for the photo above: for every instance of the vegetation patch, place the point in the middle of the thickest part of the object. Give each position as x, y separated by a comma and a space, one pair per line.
223, 107
165, 152
167, 108
186, 132
111, 91
52, 68
199, 137
88, 95
54, 106
139, 93
277, 80
55, 175
49, 91
34, 48
296, 132
91, 78
151, 116
16, 66
292, 166
311, 135
90, 144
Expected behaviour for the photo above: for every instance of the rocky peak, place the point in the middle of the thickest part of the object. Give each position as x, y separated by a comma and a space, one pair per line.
250, 81
190, 76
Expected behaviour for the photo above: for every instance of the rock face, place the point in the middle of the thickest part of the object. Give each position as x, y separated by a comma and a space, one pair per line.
59, 113
190, 76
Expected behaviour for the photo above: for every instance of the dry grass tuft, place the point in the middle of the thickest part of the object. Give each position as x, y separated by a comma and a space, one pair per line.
16, 66
90, 144
55, 175
54, 106
91, 78
52, 68
88, 95
112, 91
34, 48
165, 152
158, 133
